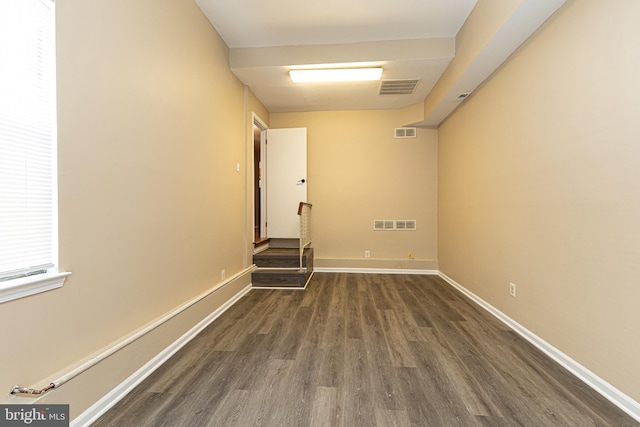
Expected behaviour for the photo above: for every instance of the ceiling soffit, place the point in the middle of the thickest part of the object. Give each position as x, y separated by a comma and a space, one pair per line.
491, 32
265, 70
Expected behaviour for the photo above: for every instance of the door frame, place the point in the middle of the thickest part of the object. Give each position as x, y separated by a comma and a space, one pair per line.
262, 168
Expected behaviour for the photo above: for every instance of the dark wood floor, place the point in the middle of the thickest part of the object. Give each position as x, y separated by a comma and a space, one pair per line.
361, 350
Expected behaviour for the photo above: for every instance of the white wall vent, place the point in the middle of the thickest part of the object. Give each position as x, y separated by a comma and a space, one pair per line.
405, 224
406, 132
395, 224
381, 224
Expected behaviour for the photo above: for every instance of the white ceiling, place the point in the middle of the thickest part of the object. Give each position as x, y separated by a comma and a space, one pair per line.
410, 39
259, 23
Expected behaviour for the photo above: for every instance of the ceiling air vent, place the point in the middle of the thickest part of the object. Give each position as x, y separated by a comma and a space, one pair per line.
462, 96
405, 132
398, 87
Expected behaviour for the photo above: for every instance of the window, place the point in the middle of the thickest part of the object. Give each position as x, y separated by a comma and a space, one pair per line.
28, 182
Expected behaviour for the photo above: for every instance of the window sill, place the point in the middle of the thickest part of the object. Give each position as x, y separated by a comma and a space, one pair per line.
20, 288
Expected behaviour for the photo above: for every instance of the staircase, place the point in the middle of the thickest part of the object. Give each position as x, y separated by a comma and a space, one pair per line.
280, 268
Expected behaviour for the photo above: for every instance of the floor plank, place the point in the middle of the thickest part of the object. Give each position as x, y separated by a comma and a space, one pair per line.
361, 350
324, 412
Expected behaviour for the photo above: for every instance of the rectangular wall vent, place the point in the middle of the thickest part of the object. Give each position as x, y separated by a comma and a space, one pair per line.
406, 132
395, 224
381, 224
405, 224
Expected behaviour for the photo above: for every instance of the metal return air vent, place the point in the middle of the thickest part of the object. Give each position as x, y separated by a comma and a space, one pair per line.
405, 132
398, 87
395, 224
405, 224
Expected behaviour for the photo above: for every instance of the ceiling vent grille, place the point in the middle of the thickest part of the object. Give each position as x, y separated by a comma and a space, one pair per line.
398, 87
395, 224
405, 132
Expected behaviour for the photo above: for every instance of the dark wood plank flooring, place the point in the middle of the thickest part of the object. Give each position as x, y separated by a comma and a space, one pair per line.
361, 350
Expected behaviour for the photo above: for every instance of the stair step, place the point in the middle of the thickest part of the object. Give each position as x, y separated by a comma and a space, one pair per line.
283, 258
279, 278
279, 267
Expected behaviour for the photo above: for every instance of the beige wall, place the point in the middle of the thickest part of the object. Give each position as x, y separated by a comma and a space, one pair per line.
485, 20
538, 185
151, 127
358, 172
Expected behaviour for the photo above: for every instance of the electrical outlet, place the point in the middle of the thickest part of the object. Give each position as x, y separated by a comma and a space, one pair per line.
367, 254
512, 289
410, 256
222, 274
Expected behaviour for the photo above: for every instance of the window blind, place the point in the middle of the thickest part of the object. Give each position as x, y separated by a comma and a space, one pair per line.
27, 137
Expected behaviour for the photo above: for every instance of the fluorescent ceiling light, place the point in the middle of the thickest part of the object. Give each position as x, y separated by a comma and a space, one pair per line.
335, 75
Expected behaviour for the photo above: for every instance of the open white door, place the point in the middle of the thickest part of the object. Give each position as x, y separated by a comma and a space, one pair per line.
286, 155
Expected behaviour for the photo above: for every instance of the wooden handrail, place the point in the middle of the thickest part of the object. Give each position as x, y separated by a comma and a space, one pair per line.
301, 205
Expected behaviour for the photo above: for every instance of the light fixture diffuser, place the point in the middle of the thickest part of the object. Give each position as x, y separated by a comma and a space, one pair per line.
335, 75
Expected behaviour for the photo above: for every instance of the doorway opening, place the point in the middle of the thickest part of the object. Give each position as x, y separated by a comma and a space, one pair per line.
259, 207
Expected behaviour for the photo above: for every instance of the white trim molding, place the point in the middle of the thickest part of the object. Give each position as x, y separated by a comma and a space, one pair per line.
31, 285
374, 270
615, 396
115, 395
618, 398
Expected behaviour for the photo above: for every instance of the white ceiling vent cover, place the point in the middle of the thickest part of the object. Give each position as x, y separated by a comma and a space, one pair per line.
398, 87
405, 132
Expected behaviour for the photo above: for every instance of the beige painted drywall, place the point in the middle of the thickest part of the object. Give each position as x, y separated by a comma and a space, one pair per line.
485, 20
151, 207
358, 172
539, 185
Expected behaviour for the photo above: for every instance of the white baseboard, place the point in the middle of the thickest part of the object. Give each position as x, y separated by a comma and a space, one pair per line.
373, 270
615, 396
114, 396
618, 398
